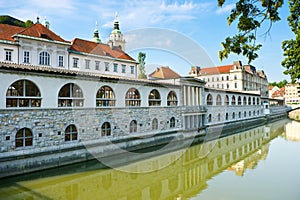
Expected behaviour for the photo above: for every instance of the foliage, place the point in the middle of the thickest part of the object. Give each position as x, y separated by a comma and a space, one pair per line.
141, 60
292, 47
28, 23
5, 19
250, 16
279, 84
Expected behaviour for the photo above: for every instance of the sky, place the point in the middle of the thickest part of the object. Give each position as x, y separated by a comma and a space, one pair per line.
178, 34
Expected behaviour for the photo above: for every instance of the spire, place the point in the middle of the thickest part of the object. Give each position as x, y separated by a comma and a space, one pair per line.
116, 22
96, 34
37, 20
46, 23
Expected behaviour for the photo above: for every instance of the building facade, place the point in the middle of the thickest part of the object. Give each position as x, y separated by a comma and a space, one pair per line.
292, 94
235, 77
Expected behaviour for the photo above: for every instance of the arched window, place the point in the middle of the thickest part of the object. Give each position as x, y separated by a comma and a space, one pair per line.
244, 101
154, 124
257, 101
258, 112
239, 100
219, 100
240, 114
105, 97
233, 100
253, 101
219, 117
226, 100
226, 117
105, 129
249, 100
70, 95
23, 93
233, 115
132, 97
249, 113
71, 133
44, 58
209, 118
172, 122
133, 126
24, 138
172, 99
209, 100
154, 98
245, 114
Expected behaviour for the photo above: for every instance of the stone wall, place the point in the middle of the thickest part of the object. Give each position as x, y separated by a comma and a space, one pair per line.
48, 125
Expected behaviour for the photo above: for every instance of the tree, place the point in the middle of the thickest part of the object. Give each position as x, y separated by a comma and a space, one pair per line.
28, 23
141, 59
252, 15
291, 47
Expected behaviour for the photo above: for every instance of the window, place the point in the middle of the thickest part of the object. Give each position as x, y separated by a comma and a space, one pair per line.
154, 98
226, 117
87, 64
115, 67
227, 85
209, 118
239, 100
75, 62
245, 114
172, 122
249, 113
235, 77
71, 133
172, 99
235, 85
23, 93
226, 100
132, 97
133, 126
227, 78
233, 100
249, 100
26, 57
219, 117
244, 101
106, 65
70, 95
132, 69
105, 97
44, 58
105, 129
60, 61
209, 100
257, 101
233, 115
97, 65
24, 138
8, 55
219, 100
154, 124
240, 114
123, 68
253, 102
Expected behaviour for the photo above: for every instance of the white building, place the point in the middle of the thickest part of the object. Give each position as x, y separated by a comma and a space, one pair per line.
235, 77
292, 93
39, 46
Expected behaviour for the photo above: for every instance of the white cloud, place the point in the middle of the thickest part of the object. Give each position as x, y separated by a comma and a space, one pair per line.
225, 9
141, 13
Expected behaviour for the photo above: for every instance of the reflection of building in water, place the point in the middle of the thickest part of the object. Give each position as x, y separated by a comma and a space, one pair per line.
291, 131
182, 178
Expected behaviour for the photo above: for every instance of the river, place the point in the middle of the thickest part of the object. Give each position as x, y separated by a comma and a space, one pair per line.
261, 163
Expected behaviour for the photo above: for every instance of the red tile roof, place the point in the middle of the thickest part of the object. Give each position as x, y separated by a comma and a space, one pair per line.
40, 31
164, 73
91, 47
216, 70
7, 31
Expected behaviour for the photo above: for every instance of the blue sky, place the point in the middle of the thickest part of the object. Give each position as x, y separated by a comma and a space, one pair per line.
201, 22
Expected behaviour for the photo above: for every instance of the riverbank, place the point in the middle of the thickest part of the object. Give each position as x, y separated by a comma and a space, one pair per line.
108, 150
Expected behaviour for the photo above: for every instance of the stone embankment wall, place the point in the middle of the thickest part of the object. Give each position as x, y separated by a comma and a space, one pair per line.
295, 115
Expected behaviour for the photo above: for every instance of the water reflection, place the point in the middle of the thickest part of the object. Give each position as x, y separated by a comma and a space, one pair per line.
182, 179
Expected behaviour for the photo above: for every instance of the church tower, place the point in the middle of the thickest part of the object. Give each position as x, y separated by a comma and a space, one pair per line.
96, 34
116, 36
